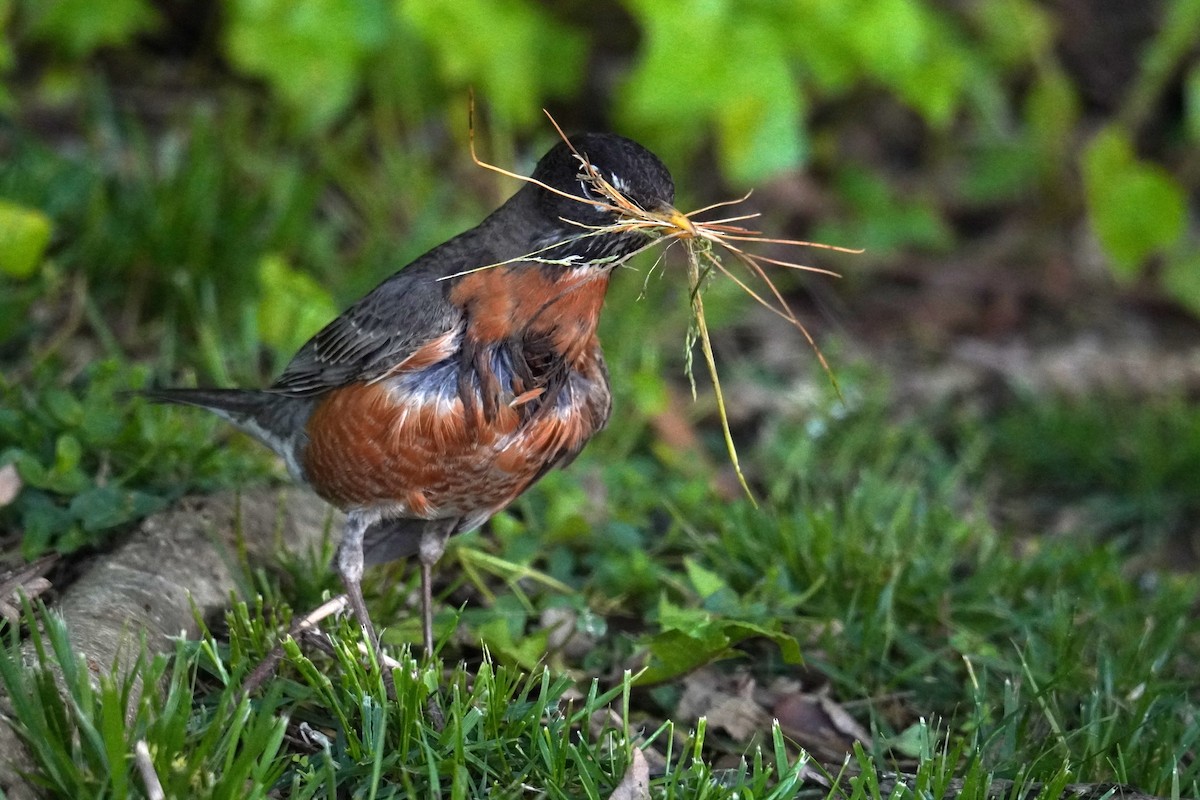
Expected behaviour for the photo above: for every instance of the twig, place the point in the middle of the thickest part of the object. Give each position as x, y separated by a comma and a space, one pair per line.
141, 757
266, 668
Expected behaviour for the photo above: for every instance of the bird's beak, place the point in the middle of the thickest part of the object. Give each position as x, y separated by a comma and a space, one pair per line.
676, 221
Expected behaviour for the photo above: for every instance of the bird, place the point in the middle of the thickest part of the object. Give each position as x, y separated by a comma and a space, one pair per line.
453, 386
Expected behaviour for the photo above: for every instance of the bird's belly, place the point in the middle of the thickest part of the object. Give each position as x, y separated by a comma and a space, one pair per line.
407, 447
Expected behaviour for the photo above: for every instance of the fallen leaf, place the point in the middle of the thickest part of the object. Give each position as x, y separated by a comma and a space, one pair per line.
10, 484
636, 783
607, 724
819, 725
727, 701
28, 580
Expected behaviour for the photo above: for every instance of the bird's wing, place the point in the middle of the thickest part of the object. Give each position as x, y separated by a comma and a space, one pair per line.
400, 316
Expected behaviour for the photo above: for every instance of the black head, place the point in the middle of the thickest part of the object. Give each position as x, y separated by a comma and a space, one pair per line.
633, 170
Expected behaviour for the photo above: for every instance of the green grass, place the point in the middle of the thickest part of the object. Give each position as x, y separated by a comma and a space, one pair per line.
169, 232
93, 458
1130, 466
1046, 664
500, 732
968, 649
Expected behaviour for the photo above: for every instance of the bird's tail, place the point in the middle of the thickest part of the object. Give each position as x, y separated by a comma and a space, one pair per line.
228, 403
275, 420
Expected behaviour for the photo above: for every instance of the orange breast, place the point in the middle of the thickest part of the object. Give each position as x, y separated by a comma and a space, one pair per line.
437, 437
419, 455
505, 301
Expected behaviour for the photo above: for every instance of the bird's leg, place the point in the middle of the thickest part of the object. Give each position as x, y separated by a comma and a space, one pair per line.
349, 562
433, 544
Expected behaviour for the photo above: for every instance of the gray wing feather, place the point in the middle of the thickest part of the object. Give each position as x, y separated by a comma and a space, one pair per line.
376, 333
402, 313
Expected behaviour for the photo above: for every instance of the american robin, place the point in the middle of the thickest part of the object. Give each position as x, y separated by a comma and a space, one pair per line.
458, 382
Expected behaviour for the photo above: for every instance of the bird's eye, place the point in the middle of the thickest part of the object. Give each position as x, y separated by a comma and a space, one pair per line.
599, 202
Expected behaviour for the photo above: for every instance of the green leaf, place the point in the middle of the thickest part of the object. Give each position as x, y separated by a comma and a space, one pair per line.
66, 476
1109, 152
913, 741
1191, 104
514, 51
24, 234
64, 407
675, 653
293, 306
691, 638
1051, 111
1136, 208
1014, 32
67, 453
311, 52
31, 470
918, 53
717, 65
1181, 279
704, 581
692, 621
526, 651
761, 131
103, 507
44, 521
79, 27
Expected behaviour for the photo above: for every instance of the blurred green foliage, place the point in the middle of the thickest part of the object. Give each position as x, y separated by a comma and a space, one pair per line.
176, 233
1140, 212
312, 53
293, 305
1137, 208
514, 51
1130, 465
226, 222
6, 53
77, 28
24, 234
685, 83
92, 460
879, 219
763, 88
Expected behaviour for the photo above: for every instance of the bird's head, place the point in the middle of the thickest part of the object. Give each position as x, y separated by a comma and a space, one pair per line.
579, 209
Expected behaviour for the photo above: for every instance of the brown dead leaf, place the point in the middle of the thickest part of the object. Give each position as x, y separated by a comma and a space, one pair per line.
564, 635
28, 580
10, 484
819, 725
636, 783
603, 721
607, 722
726, 700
